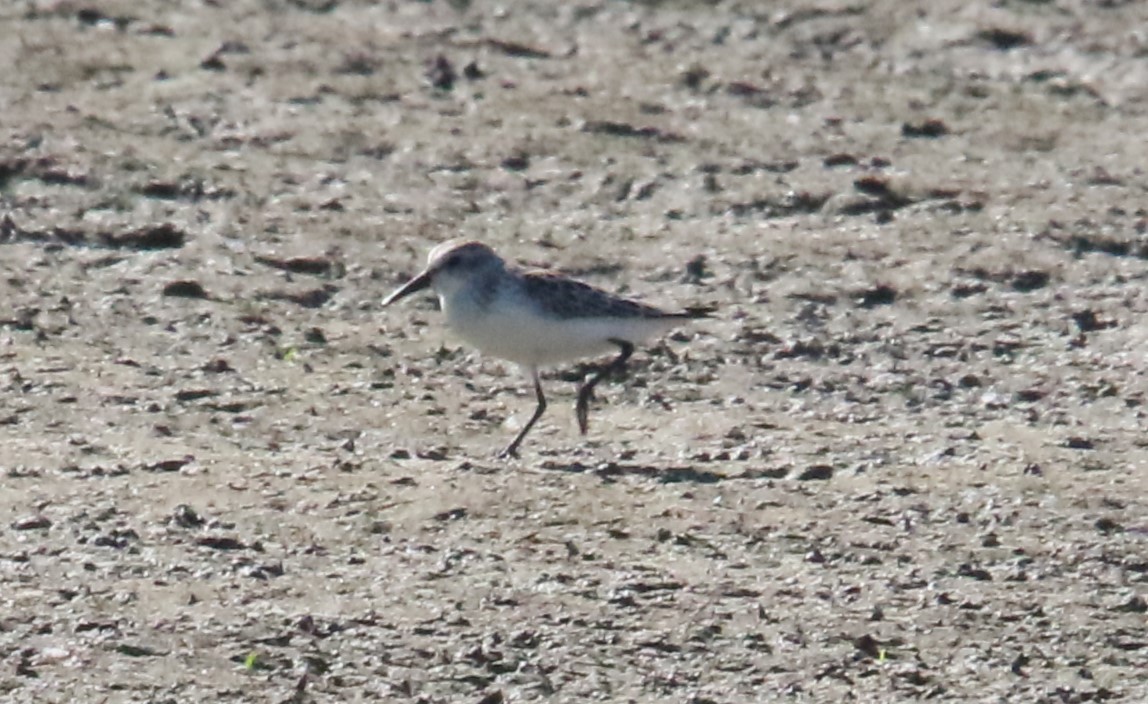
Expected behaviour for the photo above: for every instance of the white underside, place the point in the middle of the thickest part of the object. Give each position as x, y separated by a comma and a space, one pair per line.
517, 332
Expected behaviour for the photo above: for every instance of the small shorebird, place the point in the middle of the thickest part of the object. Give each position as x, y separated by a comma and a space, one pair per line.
535, 317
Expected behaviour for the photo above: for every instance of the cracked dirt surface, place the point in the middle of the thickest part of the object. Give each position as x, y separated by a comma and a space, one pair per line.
905, 461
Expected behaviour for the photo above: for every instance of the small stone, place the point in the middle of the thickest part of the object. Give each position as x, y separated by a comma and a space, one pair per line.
31, 523
818, 472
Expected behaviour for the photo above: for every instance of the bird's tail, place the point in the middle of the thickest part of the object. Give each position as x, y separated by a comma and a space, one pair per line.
696, 312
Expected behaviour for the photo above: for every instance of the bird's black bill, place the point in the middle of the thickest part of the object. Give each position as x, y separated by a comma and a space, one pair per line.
415, 285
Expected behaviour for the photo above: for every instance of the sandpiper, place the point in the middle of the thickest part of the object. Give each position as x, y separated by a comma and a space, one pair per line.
535, 318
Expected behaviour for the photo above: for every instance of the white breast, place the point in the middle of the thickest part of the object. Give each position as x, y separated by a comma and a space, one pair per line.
512, 329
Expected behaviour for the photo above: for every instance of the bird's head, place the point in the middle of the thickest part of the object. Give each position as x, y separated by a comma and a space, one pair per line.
451, 266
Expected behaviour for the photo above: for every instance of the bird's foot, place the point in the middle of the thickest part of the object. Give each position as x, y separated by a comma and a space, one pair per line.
507, 453
582, 409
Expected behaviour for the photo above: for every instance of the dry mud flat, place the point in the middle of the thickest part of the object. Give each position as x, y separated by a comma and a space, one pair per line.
905, 462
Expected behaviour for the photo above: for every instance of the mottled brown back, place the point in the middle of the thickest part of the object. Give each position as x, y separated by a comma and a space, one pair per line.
567, 298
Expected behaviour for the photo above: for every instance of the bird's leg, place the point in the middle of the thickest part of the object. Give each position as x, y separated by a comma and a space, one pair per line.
512, 449
586, 391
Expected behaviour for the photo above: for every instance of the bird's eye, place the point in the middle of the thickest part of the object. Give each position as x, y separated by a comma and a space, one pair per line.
452, 261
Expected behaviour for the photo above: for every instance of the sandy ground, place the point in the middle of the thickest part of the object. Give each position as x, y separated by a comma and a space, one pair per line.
904, 461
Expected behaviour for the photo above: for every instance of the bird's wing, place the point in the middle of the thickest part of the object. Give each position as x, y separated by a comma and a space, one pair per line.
567, 298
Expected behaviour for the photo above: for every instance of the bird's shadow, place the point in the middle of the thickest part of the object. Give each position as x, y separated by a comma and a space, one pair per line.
611, 470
